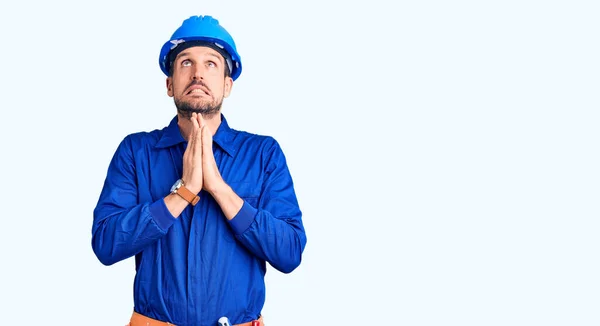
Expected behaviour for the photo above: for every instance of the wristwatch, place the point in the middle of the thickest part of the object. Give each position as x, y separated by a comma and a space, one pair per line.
183, 192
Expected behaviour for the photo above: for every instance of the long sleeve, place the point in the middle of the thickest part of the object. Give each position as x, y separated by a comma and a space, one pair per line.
189, 268
122, 226
273, 231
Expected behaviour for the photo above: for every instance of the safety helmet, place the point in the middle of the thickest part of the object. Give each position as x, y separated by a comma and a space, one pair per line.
205, 29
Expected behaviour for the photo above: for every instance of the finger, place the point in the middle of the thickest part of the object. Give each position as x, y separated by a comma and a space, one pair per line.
194, 120
198, 137
193, 136
190, 136
206, 140
201, 121
195, 127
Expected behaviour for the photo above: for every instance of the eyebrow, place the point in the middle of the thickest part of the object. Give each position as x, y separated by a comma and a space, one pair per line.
221, 59
184, 54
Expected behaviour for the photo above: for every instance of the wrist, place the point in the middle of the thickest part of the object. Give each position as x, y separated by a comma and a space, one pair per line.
220, 188
184, 192
195, 189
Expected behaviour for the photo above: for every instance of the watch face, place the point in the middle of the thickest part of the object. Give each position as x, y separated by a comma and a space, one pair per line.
176, 185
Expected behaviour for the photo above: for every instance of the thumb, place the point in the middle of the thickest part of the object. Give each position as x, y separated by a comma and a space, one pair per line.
206, 140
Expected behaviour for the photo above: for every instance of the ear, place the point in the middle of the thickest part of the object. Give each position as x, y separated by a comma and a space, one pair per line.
170, 86
228, 85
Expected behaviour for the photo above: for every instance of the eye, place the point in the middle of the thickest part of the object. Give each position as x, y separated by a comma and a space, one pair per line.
186, 63
211, 64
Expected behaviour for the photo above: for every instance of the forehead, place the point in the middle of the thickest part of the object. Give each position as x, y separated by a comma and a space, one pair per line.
199, 51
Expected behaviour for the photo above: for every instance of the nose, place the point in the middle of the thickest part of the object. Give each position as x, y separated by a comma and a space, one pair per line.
198, 73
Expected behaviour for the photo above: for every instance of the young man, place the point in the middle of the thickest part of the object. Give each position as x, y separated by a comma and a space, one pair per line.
201, 206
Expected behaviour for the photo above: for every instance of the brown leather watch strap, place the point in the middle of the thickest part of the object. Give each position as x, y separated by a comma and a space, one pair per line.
184, 193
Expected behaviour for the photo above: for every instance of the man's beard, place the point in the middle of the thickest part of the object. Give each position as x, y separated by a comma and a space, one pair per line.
207, 109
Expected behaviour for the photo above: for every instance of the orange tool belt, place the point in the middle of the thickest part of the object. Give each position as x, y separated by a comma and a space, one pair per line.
141, 320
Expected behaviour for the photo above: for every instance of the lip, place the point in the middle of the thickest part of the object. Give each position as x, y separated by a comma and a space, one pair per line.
202, 90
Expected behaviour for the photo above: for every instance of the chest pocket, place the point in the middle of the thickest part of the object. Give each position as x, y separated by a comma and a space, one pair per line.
248, 191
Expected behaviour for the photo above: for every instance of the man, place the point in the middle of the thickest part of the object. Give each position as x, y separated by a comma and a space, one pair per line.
201, 206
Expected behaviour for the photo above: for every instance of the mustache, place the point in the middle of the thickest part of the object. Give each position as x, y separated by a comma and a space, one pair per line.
198, 82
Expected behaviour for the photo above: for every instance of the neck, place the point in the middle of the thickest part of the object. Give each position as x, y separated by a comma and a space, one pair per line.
185, 124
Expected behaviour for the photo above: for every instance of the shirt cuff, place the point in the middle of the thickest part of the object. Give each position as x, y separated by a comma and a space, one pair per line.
161, 215
242, 220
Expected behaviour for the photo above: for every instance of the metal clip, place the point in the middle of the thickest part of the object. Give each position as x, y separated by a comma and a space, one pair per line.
224, 321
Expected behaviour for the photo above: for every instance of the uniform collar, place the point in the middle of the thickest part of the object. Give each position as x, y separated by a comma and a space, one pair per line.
223, 137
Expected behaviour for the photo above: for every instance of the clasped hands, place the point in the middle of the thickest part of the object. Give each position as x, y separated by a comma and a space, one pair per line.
200, 169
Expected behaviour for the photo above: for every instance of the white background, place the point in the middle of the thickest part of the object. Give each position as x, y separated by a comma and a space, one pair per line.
445, 153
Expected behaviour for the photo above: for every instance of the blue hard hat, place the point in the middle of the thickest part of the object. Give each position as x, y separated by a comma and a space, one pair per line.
205, 29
